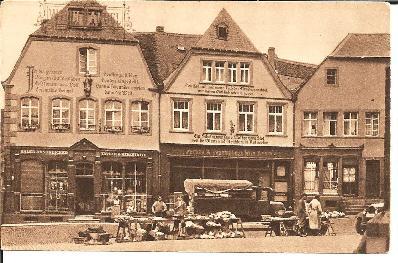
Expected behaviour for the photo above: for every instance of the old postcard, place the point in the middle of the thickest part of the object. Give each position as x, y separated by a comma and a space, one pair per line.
195, 126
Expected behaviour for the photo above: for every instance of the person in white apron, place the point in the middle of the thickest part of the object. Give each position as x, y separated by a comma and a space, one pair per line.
314, 213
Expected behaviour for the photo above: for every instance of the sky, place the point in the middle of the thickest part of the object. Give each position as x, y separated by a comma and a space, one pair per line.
304, 32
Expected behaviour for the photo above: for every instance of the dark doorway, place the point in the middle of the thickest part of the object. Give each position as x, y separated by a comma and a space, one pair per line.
84, 196
372, 178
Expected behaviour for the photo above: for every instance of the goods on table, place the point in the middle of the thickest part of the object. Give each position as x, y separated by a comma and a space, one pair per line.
92, 235
333, 214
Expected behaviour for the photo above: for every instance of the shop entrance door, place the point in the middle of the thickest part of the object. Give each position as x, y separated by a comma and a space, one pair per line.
372, 178
84, 196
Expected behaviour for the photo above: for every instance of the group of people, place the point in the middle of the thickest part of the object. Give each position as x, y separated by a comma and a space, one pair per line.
312, 211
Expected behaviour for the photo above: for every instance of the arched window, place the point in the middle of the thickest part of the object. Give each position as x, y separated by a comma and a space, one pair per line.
60, 114
140, 117
87, 108
30, 113
113, 116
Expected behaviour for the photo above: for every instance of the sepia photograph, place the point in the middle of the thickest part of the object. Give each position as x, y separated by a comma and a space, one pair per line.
177, 126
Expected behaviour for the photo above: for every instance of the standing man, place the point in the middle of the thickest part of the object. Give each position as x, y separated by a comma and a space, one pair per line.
315, 211
302, 214
159, 207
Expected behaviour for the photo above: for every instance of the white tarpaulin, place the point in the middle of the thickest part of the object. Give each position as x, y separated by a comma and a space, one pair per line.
215, 185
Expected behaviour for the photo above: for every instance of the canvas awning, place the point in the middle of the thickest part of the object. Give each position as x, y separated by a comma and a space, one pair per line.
215, 186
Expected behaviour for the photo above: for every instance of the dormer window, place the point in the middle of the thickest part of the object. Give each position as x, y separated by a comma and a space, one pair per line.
84, 18
222, 32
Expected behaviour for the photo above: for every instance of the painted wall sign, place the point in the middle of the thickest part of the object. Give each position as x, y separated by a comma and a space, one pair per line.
48, 152
232, 90
120, 84
124, 154
228, 139
52, 81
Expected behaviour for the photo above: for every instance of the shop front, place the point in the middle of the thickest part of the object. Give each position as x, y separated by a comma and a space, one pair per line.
55, 184
262, 166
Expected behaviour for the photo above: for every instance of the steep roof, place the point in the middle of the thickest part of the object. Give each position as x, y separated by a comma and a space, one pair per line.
164, 52
363, 45
236, 40
57, 26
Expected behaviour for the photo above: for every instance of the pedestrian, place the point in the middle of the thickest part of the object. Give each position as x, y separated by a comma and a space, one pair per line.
315, 211
302, 215
159, 207
180, 209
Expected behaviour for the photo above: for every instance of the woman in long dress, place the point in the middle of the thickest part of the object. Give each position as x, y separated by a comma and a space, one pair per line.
315, 210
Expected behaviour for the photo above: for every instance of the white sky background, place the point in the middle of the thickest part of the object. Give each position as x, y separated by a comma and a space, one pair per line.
304, 32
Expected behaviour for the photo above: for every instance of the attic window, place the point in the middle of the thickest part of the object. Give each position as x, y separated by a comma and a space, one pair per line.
222, 32
84, 18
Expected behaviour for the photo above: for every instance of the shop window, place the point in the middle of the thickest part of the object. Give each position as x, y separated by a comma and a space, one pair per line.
222, 32
246, 117
372, 124
275, 120
32, 186
214, 116
207, 70
310, 123
220, 71
83, 18
330, 178
331, 76
140, 117
350, 123
330, 123
29, 114
232, 72
311, 177
57, 196
113, 116
87, 108
60, 114
135, 178
244, 73
112, 173
350, 186
181, 115
88, 61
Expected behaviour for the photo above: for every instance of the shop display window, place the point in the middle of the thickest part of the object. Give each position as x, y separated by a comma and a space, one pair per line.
32, 186
350, 185
29, 114
57, 186
311, 177
330, 178
112, 173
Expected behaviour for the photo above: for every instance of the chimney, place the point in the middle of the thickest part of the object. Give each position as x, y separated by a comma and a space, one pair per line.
160, 29
272, 56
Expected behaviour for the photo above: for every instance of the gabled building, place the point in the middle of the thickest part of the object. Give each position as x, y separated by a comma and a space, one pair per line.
225, 114
340, 119
80, 119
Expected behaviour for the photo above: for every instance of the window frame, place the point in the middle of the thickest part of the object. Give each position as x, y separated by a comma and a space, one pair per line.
223, 26
131, 117
218, 69
229, 70
206, 69
253, 113
345, 121
213, 112
189, 111
372, 124
112, 129
97, 59
96, 115
336, 77
67, 126
308, 121
328, 122
248, 69
30, 128
316, 177
273, 133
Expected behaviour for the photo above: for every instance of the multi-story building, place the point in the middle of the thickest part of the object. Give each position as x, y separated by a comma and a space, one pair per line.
340, 117
225, 114
80, 119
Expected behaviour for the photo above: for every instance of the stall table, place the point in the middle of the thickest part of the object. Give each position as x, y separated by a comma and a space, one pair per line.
281, 226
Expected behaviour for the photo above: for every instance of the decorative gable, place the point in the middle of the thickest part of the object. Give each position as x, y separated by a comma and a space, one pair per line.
225, 35
84, 145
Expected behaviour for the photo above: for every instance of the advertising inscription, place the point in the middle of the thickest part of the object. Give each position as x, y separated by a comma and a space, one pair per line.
228, 139
229, 90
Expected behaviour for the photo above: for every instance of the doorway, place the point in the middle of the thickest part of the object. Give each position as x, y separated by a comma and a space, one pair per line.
84, 196
372, 178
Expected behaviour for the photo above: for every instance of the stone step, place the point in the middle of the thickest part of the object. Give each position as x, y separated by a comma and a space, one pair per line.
84, 219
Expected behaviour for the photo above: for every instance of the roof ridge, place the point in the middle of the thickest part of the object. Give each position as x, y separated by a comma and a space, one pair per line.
305, 64
170, 33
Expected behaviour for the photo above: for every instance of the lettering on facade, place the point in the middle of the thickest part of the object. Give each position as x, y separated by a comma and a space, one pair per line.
47, 152
119, 84
228, 139
53, 81
124, 154
232, 90
227, 153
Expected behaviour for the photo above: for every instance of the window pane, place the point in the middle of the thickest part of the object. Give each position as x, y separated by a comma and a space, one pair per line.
241, 122
185, 120
217, 121
249, 122
278, 123
210, 121
177, 119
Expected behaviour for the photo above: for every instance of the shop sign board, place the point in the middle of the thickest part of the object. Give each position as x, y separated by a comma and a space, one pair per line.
229, 139
227, 90
124, 154
46, 152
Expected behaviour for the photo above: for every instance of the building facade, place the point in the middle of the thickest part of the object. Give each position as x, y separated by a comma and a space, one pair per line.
80, 120
340, 121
